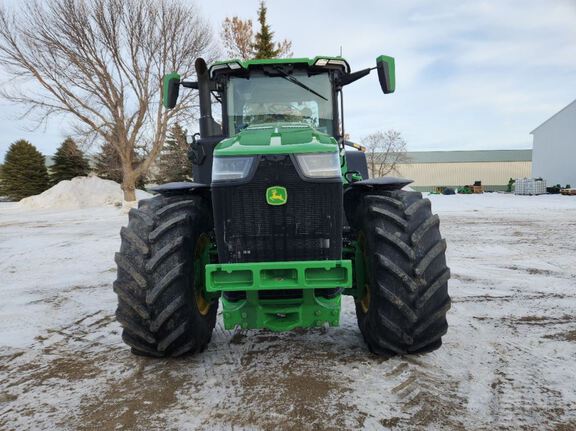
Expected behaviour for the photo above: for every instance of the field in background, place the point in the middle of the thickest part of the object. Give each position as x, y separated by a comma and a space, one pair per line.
506, 363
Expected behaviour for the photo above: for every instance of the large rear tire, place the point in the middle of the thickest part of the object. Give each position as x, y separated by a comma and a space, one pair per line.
406, 297
160, 303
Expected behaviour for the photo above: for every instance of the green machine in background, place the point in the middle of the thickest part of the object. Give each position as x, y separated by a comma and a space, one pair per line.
281, 220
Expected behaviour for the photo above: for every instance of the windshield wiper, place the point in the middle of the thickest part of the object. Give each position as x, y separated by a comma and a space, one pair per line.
297, 82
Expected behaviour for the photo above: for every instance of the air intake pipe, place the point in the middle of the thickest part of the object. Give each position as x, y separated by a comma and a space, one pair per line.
208, 127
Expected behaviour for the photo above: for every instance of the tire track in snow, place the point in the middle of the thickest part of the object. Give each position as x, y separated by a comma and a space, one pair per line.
422, 395
521, 394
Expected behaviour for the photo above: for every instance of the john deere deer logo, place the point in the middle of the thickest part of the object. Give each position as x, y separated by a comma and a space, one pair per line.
276, 195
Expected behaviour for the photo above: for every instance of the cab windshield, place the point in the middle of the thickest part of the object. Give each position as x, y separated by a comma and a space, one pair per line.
265, 99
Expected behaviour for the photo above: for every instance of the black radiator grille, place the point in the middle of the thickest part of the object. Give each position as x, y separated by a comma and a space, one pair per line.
307, 227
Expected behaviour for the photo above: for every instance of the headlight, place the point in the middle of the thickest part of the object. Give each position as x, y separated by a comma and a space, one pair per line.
319, 165
231, 168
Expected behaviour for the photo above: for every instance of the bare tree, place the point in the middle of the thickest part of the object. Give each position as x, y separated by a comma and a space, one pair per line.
102, 62
237, 36
384, 151
284, 48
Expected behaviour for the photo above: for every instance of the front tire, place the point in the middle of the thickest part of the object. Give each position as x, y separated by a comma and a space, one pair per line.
403, 309
161, 306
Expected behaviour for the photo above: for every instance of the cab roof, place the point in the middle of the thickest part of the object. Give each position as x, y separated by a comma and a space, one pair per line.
322, 61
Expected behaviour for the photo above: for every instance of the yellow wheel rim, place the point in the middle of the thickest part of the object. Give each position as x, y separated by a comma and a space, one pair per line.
202, 305
365, 300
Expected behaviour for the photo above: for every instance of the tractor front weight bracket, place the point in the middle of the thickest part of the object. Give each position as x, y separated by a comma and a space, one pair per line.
310, 309
354, 251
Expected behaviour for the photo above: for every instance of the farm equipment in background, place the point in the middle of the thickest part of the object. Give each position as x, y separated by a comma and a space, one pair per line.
470, 189
443, 190
568, 191
510, 186
281, 220
558, 189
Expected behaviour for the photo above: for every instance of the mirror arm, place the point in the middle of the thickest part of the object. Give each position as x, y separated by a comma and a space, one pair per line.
350, 78
189, 84
194, 85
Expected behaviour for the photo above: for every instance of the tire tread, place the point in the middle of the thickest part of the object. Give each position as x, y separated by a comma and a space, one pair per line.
156, 302
407, 274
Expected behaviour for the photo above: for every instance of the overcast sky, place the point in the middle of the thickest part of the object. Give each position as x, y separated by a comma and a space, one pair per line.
469, 74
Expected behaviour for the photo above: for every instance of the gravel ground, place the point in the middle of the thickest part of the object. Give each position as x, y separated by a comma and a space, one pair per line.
508, 360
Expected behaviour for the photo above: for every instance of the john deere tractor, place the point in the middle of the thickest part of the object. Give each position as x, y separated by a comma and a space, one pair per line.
281, 220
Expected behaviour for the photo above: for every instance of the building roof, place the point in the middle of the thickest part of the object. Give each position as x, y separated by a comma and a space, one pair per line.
566, 107
468, 156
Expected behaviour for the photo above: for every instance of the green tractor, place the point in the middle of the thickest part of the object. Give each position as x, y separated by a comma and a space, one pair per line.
282, 219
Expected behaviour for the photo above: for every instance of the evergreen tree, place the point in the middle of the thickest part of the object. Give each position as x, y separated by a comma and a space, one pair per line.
69, 162
107, 165
173, 162
240, 41
1, 181
24, 172
264, 46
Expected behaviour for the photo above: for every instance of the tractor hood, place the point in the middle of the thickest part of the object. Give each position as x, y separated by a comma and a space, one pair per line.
276, 138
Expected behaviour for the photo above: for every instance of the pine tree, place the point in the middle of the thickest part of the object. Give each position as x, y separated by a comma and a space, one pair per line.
264, 46
1, 182
107, 165
24, 172
239, 40
173, 162
69, 162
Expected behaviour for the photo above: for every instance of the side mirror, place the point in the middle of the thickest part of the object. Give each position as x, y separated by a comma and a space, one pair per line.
386, 73
170, 89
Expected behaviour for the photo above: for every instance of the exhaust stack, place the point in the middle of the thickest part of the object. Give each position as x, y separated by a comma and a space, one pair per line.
208, 127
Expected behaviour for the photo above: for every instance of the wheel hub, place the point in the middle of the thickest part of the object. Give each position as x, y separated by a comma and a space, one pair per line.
201, 258
365, 299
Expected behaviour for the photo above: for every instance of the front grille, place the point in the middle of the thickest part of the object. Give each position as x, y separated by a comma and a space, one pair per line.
307, 227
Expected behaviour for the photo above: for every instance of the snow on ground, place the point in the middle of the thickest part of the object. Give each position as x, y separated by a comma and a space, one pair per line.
79, 192
508, 360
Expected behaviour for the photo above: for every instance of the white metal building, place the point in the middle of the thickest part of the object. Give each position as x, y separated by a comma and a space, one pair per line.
554, 150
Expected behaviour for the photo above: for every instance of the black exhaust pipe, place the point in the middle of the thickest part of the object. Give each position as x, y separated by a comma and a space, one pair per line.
206, 120
201, 151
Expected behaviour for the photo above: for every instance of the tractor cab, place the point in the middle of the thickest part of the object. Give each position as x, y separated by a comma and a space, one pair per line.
300, 91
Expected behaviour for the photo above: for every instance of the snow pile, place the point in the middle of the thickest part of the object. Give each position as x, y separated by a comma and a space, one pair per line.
80, 192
